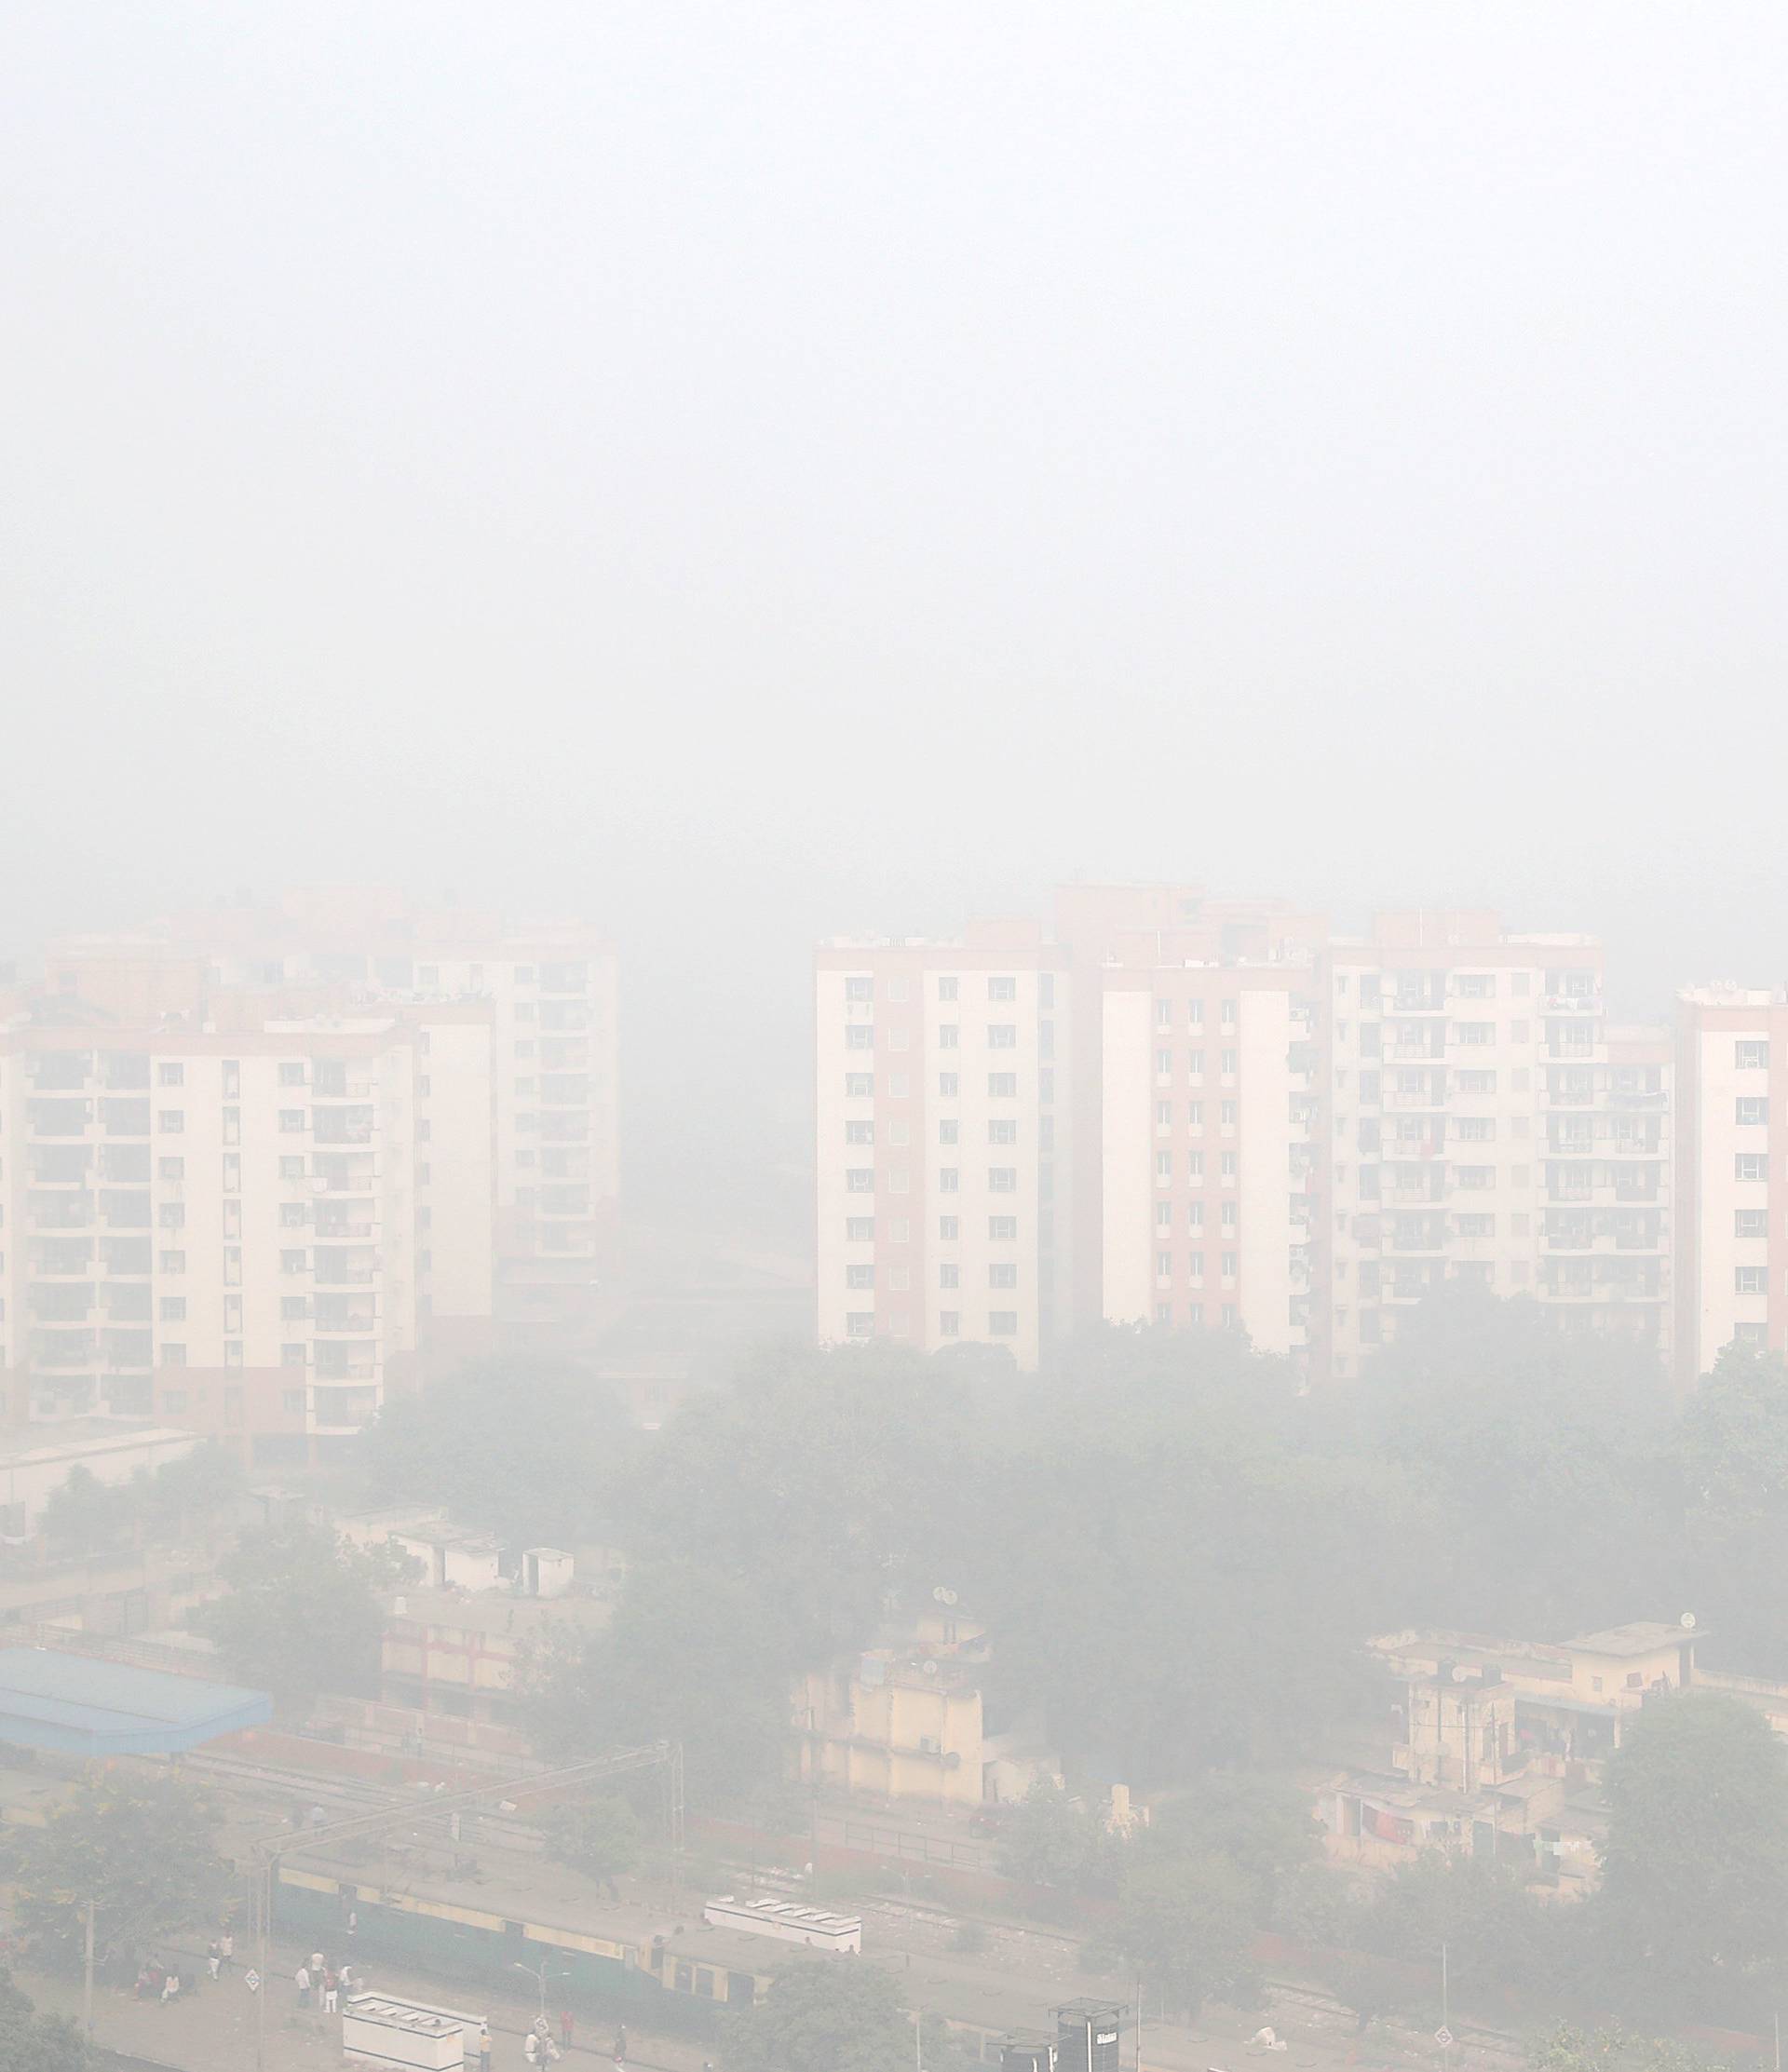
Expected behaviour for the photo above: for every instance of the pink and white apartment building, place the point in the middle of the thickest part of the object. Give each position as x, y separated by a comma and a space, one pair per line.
1485, 1124
1732, 1158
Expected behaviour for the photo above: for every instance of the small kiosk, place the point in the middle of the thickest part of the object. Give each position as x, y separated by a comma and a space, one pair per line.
377, 2029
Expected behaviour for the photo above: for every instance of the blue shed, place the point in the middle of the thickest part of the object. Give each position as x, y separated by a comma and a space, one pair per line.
83, 1705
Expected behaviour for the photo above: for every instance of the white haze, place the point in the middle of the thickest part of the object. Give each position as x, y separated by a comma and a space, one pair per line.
749, 471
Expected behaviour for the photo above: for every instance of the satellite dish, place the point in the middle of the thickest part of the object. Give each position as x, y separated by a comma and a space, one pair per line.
938, 1595
949, 1596
930, 1668
1461, 1675
1687, 1622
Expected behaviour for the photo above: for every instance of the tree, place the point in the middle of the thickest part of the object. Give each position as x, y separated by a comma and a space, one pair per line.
1263, 1824
86, 1516
302, 1614
828, 2014
532, 1452
1730, 1461
1368, 1987
139, 1848
1496, 1930
1567, 2048
601, 1837
1693, 1893
1183, 1928
1052, 1838
33, 2042
692, 1656
199, 1485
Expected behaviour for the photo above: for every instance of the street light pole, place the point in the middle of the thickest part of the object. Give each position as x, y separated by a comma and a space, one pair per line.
86, 1981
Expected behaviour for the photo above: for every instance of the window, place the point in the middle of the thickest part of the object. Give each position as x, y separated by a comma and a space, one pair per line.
1195, 1215
949, 1322
1194, 1115
173, 1120
1002, 1229
947, 989
1194, 1268
860, 1277
1002, 1036
1477, 985
1002, 1276
1003, 1324
1474, 1176
1749, 1280
174, 1310
1753, 1057
949, 1132
860, 1323
1750, 1223
1195, 1064
1163, 1216
1227, 1113
1002, 1179
1751, 1335
291, 1215
859, 1230
898, 989
1228, 1167
1228, 1014
859, 1180
1476, 1129
1163, 1114
1227, 1064
1228, 1264
171, 1217
1477, 1082
1477, 1032
294, 1309
1163, 1065
171, 1262
859, 1035
171, 1075
1750, 1165
1163, 1265
900, 1086
859, 1086
1477, 1227
949, 1036
1002, 989
949, 1276
171, 1169
949, 1229
1195, 1165
860, 989
173, 1355
1002, 1086
291, 1169
1163, 1167
1229, 1215
1751, 1107
291, 1120
859, 1132
949, 1180
292, 1074
1002, 1132
948, 1085
1163, 1014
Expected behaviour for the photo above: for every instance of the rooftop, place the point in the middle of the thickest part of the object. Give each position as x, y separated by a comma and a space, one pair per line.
85, 1705
1644, 1636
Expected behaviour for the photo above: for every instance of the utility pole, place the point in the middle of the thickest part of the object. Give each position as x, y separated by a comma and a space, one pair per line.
86, 1983
1446, 2016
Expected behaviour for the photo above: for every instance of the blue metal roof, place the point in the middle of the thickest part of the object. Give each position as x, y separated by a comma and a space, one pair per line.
83, 1705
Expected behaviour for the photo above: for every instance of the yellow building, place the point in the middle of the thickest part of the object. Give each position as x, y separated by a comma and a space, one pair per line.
905, 1722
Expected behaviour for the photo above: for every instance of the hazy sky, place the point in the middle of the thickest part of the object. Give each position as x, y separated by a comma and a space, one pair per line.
753, 470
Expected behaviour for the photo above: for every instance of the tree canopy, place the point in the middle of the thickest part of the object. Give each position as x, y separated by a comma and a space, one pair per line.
140, 1848
33, 2042
823, 2015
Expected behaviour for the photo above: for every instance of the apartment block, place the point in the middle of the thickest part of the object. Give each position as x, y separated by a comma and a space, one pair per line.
1732, 1162
549, 1080
226, 1219
1483, 1125
940, 1104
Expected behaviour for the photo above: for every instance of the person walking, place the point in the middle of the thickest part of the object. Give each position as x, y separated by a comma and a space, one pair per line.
317, 1964
300, 1979
332, 1986
483, 2047
531, 2048
566, 2025
226, 1950
213, 1958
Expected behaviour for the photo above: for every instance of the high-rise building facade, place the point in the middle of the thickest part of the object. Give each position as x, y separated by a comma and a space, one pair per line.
249, 1219
941, 1140
1732, 1162
1482, 1128
551, 989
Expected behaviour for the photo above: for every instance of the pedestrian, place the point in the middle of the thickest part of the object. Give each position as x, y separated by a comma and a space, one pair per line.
317, 1964
483, 2047
170, 1988
565, 2026
332, 1986
300, 1979
531, 2048
145, 1984
620, 2044
226, 1950
345, 1977
213, 1958
540, 2027
353, 1922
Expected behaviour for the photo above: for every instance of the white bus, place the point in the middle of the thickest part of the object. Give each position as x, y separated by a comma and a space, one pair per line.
787, 1921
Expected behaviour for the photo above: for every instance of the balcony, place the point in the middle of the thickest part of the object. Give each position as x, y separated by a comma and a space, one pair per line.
58, 1118
71, 1211
345, 1319
59, 1072
124, 1118
330, 1127
345, 1229
333, 1087
1571, 1003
